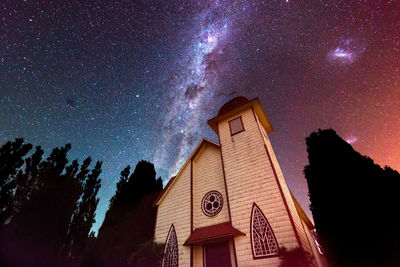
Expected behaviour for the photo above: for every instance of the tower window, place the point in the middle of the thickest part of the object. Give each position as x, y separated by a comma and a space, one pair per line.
236, 125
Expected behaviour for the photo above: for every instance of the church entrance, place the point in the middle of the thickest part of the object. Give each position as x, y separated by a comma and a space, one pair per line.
218, 255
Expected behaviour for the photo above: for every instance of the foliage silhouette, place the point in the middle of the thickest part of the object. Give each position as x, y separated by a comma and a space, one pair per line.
37, 232
149, 254
36, 218
297, 257
11, 159
48, 208
353, 202
129, 222
83, 217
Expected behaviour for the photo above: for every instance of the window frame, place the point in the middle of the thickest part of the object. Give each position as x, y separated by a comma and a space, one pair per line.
230, 127
221, 203
172, 233
255, 257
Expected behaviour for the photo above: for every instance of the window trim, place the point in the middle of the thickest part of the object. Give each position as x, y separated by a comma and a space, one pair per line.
251, 234
221, 206
170, 232
241, 121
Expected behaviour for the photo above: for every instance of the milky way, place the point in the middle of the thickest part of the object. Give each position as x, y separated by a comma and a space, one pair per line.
193, 91
129, 80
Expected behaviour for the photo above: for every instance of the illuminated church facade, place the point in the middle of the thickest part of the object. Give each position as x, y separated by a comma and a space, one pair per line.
229, 205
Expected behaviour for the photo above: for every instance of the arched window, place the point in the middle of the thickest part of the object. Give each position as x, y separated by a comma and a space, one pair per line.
263, 241
171, 255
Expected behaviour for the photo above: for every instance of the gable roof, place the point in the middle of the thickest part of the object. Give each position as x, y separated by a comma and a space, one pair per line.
164, 190
174, 178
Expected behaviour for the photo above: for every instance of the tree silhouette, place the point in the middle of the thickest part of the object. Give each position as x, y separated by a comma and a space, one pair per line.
129, 222
296, 257
353, 202
26, 182
83, 217
122, 192
48, 208
148, 254
38, 231
11, 159
42, 197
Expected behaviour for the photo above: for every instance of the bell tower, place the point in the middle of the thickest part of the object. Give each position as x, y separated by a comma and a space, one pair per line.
254, 178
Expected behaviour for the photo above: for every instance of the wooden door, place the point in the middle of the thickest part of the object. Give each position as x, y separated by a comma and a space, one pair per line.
218, 255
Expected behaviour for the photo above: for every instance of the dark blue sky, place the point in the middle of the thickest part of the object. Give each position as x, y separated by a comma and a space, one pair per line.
129, 80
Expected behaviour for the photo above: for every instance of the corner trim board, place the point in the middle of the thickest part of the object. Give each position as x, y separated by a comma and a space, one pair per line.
279, 185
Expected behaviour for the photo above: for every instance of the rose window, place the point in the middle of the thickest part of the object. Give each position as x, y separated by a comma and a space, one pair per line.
212, 203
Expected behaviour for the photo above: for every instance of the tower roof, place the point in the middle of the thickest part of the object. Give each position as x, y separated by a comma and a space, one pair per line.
237, 105
233, 104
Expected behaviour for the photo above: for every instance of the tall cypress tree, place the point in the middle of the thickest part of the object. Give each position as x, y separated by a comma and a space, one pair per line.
353, 202
84, 215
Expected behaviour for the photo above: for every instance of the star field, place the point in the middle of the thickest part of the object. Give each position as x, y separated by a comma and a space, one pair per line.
129, 80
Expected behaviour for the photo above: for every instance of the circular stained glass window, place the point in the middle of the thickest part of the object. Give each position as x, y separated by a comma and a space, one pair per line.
212, 203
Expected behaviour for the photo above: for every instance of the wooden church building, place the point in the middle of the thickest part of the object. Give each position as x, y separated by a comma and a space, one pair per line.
230, 205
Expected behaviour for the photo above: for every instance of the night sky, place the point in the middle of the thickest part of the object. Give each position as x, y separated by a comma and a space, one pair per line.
129, 80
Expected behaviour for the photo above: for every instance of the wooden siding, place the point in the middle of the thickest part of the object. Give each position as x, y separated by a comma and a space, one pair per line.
175, 208
207, 176
291, 205
250, 178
